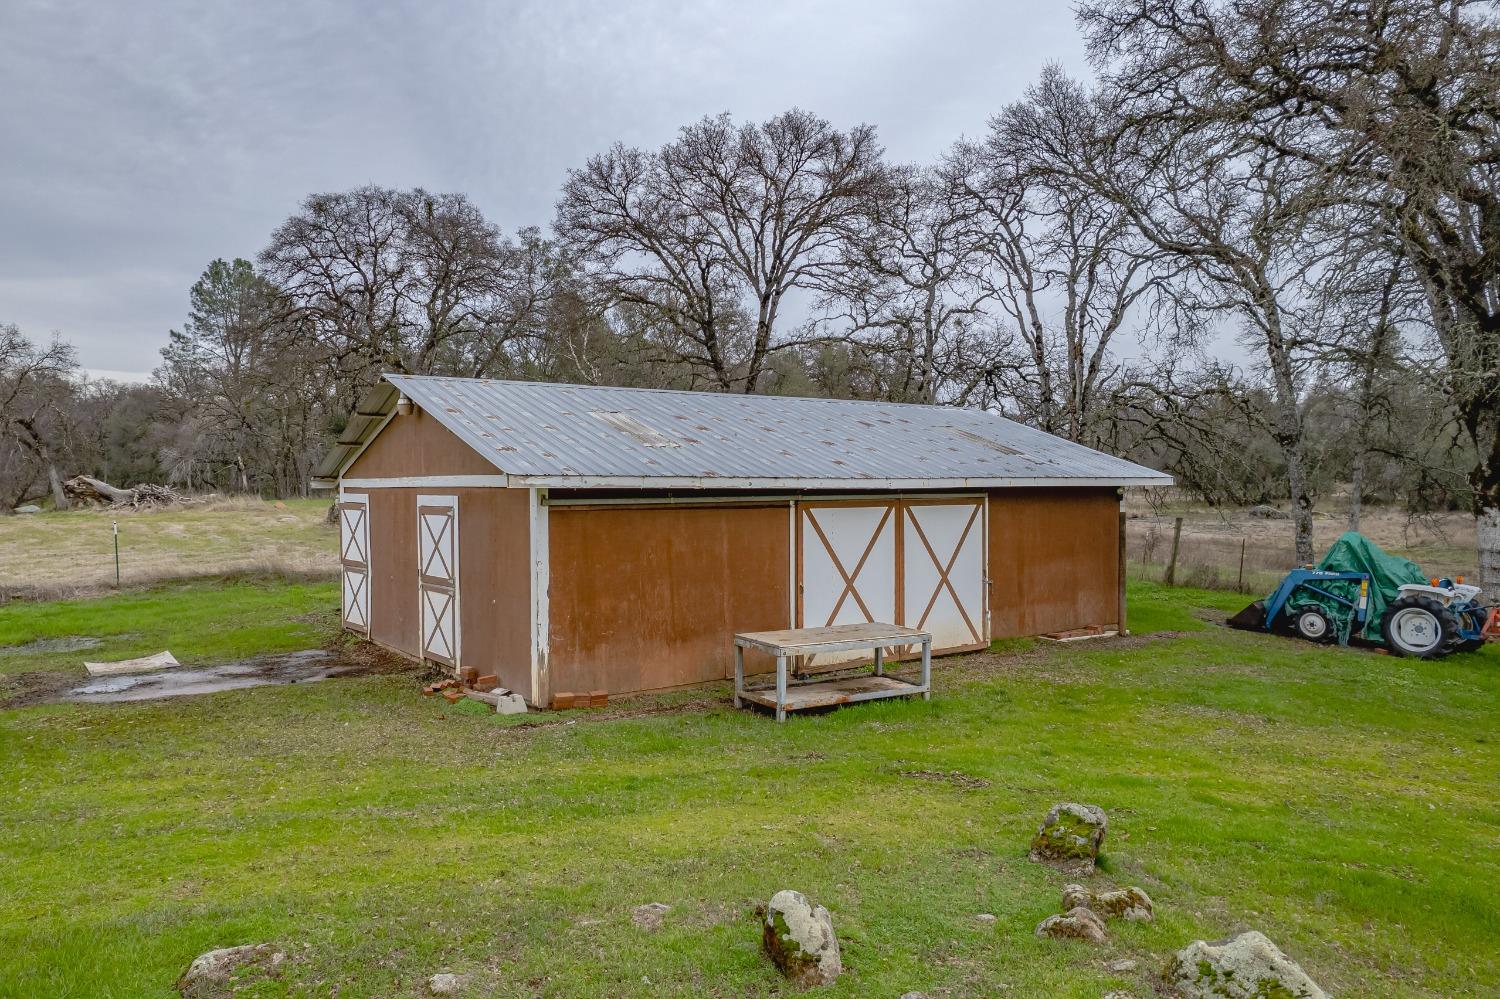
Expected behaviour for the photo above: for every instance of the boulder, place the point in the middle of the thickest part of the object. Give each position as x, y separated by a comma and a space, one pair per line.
29, 508
650, 915
798, 937
1075, 924
1248, 966
445, 983
1122, 966
1123, 903
210, 973
1263, 512
1070, 837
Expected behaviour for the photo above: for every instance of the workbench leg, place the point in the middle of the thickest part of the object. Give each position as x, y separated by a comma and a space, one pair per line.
879, 661
781, 688
927, 670
739, 674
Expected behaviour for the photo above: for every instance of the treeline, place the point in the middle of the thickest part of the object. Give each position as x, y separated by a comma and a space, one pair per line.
1314, 180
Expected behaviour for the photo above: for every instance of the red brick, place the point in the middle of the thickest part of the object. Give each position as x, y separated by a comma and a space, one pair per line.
453, 696
468, 674
562, 702
486, 683
599, 699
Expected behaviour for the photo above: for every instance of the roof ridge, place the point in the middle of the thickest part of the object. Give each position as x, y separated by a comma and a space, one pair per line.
702, 392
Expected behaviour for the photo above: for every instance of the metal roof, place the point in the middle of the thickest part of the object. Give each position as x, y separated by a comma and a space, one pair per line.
541, 434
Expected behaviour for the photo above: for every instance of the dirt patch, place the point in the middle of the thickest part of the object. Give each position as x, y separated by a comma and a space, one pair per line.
954, 778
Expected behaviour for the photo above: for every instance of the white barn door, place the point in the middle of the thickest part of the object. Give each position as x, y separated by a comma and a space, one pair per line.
354, 561
846, 555
943, 570
437, 577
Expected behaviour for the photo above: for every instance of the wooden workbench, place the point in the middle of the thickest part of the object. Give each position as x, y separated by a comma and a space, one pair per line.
842, 690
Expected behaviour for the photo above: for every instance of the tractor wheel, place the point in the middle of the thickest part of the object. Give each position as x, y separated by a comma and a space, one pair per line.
1466, 645
1418, 626
1313, 625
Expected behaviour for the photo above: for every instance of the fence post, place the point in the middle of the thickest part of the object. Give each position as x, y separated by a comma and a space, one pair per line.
117, 553
1241, 586
1176, 540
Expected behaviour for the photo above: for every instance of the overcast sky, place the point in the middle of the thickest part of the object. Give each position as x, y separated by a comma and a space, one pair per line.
138, 141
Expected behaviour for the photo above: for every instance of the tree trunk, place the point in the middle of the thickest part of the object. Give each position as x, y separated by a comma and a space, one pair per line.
1356, 490
1487, 540
59, 498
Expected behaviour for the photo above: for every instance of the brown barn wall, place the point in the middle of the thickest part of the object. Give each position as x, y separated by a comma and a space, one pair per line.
417, 444
1054, 560
494, 583
642, 599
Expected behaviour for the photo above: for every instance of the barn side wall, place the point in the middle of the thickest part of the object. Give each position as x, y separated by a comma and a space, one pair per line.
494, 580
417, 444
494, 559
1054, 560
646, 598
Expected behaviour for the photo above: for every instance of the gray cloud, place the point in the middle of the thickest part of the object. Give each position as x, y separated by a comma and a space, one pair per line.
140, 141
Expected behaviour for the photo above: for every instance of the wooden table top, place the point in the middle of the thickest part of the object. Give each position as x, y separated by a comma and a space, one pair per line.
791, 641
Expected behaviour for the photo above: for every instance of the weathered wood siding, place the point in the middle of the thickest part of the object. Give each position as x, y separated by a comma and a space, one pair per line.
1054, 560
417, 444
647, 598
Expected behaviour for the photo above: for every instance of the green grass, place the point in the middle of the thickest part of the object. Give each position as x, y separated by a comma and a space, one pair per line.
1342, 802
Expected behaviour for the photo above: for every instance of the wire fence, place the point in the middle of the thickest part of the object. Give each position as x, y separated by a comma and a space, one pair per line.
46, 556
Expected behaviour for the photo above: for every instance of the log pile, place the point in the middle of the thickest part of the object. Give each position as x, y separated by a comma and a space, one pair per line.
86, 489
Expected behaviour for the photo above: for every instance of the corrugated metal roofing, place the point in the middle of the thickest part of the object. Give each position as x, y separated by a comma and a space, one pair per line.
587, 435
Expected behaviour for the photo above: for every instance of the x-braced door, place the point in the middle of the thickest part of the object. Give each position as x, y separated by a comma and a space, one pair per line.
354, 560
847, 566
437, 577
943, 570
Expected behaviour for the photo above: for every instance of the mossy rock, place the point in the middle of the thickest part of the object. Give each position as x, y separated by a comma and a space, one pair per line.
1248, 966
799, 939
1070, 836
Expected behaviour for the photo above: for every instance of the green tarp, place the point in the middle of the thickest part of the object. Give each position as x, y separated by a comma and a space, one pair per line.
1353, 552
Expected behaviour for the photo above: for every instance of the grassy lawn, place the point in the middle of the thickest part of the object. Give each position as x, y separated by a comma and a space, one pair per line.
52, 553
1344, 803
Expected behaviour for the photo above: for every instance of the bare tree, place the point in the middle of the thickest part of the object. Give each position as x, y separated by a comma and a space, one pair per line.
909, 290
1067, 266
1396, 105
406, 281
35, 386
712, 231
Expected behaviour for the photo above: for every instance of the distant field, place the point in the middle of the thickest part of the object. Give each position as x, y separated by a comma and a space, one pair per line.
53, 554
1442, 543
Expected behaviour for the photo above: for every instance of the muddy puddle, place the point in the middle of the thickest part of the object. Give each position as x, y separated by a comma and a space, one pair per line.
70, 643
261, 671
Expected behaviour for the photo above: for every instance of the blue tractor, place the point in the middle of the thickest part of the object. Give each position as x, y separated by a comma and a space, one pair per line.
1360, 591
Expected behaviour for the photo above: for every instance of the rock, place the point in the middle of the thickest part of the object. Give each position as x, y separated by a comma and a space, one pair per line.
1248, 966
1070, 837
985, 917
1131, 903
29, 508
1075, 924
798, 937
510, 704
209, 972
1122, 966
650, 915
445, 983
1263, 512
914, 995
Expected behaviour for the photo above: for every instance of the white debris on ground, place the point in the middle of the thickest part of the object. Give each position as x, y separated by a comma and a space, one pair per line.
125, 667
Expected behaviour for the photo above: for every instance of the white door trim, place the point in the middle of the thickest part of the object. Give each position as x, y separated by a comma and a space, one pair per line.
354, 563
439, 592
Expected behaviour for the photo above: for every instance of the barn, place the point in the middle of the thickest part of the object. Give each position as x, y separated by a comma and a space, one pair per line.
581, 538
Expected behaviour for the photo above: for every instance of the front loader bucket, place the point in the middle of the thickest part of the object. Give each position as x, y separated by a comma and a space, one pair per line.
1252, 618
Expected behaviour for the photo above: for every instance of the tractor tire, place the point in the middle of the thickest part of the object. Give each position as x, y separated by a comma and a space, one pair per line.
1467, 645
1312, 624
1420, 627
